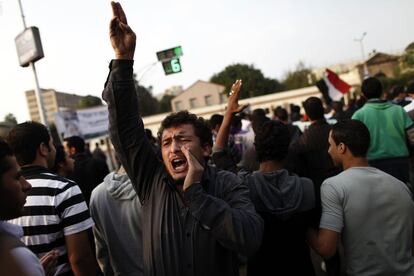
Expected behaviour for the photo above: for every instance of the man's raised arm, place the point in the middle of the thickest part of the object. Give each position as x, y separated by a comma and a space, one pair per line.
126, 128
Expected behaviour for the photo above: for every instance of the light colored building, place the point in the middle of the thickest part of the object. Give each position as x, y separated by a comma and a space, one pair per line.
269, 102
380, 64
52, 102
172, 91
200, 94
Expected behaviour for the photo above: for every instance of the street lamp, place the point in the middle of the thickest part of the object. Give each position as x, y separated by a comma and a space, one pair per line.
361, 44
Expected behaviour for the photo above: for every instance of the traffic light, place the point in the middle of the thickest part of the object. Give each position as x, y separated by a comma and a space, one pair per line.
171, 53
170, 60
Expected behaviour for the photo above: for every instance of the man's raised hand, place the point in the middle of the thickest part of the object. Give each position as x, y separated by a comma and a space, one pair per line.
233, 100
122, 37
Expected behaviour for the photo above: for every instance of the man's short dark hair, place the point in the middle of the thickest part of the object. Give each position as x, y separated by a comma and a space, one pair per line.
410, 87
25, 139
396, 90
215, 119
314, 108
281, 114
76, 142
272, 141
371, 88
201, 128
354, 134
5, 151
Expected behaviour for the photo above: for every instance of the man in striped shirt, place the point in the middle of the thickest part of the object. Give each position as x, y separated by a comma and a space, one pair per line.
55, 215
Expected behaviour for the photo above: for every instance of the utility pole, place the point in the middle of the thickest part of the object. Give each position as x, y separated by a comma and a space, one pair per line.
361, 44
39, 98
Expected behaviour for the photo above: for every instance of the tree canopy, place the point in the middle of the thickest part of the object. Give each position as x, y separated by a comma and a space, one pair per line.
89, 101
302, 76
254, 82
10, 118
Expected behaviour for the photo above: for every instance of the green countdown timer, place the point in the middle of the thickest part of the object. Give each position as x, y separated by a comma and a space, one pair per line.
172, 66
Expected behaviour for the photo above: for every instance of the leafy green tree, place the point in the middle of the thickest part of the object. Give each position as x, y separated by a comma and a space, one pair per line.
10, 118
407, 60
165, 104
254, 82
148, 105
89, 101
302, 76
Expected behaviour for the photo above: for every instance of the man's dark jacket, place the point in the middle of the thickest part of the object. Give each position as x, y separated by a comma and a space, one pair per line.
309, 157
89, 172
199, 232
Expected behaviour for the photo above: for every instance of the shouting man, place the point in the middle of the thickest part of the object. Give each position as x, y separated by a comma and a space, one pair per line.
196, 219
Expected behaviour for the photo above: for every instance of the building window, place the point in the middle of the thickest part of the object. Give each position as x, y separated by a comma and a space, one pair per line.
178, 106
223, 98
193, 103
208, 99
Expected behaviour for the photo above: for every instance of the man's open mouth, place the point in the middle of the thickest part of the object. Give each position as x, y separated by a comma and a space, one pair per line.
179, 164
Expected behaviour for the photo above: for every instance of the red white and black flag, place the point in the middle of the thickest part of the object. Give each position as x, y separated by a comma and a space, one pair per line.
332, 87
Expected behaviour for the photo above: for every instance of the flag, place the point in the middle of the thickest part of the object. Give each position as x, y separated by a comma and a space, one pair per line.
332, 87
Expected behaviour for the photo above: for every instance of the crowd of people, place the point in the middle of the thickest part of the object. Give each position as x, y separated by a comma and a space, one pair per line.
237, 194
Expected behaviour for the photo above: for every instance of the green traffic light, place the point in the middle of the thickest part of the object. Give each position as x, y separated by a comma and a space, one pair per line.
178, 51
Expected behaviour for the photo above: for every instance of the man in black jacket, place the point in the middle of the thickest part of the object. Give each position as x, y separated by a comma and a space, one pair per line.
89, 172
196, 219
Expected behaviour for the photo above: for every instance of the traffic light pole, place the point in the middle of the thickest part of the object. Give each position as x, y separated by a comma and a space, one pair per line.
39, 99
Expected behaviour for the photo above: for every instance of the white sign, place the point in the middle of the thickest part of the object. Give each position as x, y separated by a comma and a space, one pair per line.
87, 123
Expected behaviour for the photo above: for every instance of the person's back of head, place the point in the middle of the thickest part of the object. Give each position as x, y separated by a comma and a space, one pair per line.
409, 89
259, 112
354, 135
215, 121
149, 135
371, 88
397, 92
236, 123
281, 114
75, 145
314, 108
272, 141
26, 139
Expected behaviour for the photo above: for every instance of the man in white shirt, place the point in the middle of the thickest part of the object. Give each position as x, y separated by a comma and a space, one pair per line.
371, 211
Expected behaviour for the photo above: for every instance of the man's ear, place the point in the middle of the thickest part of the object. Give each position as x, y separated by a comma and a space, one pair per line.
207, 149
43, 150
342, 148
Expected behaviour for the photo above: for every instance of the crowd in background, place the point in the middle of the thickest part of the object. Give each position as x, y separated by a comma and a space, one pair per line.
249, 193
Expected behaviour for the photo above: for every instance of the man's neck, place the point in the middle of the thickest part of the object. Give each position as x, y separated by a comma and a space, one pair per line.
270, 166
38, 162
351, 162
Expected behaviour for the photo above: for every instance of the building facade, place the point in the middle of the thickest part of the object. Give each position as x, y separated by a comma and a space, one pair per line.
52, 101
199, 94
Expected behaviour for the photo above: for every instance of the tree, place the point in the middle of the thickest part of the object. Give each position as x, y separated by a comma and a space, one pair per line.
10, 118
89, 101
302, 76
165, 104
407, 60
254, 82
148, 105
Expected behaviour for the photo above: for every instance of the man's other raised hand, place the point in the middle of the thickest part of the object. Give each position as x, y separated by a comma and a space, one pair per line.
122, 37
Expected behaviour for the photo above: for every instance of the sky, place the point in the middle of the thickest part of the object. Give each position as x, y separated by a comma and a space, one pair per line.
273, 35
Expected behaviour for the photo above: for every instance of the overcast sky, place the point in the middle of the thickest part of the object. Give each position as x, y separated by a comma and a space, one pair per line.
274, 35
